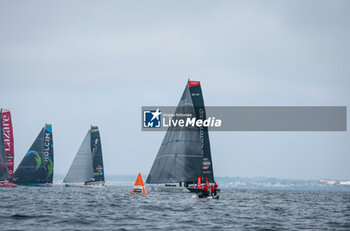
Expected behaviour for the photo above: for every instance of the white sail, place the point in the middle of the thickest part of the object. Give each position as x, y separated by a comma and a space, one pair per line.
81, 169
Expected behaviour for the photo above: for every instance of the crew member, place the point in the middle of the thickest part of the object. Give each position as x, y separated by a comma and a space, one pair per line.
214, 189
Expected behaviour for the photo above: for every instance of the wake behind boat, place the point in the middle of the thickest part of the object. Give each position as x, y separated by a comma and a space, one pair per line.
87, 166
184, 154
36, 168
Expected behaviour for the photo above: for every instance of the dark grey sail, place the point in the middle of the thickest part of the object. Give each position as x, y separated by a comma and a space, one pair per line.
198, 102
81, 170
38, 164
180, 156
96, 150
4, 175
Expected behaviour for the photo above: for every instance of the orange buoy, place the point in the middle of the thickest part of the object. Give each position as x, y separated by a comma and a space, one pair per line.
139, 186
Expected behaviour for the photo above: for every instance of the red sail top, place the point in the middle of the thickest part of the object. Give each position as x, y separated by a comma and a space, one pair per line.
194, 83
94, 127
8, 140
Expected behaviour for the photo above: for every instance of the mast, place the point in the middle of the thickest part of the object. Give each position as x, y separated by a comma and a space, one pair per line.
96, 150
180, 156
3, 163
6, 122
81, 170
38, 164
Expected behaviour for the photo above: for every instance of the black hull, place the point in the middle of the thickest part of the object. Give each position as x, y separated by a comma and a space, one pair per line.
197, 190
194, 190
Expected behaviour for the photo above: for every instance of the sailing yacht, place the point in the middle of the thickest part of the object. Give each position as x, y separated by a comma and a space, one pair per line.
184, 154
36, 167
87, 166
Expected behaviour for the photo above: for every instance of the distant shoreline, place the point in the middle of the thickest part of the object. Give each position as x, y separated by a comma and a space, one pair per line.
249, 183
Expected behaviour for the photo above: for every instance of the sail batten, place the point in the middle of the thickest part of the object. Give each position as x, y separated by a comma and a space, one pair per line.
179, 155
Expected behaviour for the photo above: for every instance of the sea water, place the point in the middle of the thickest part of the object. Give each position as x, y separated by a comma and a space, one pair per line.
113, 208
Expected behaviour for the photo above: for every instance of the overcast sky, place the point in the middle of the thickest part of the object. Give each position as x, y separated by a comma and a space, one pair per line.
77, 63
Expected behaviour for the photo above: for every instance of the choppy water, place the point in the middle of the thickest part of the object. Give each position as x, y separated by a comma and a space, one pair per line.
113, 208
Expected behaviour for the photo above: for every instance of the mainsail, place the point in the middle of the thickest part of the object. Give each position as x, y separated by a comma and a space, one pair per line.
87, 165
3, 163
185, 151
38, 164
8, 140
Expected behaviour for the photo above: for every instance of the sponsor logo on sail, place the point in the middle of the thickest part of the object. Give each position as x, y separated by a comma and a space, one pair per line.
6, 132
206, 164
8, 140
49, 167
99, 170
47, 146
34, 158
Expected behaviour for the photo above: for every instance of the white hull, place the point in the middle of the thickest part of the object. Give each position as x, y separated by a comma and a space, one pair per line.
95, 184
98, 184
